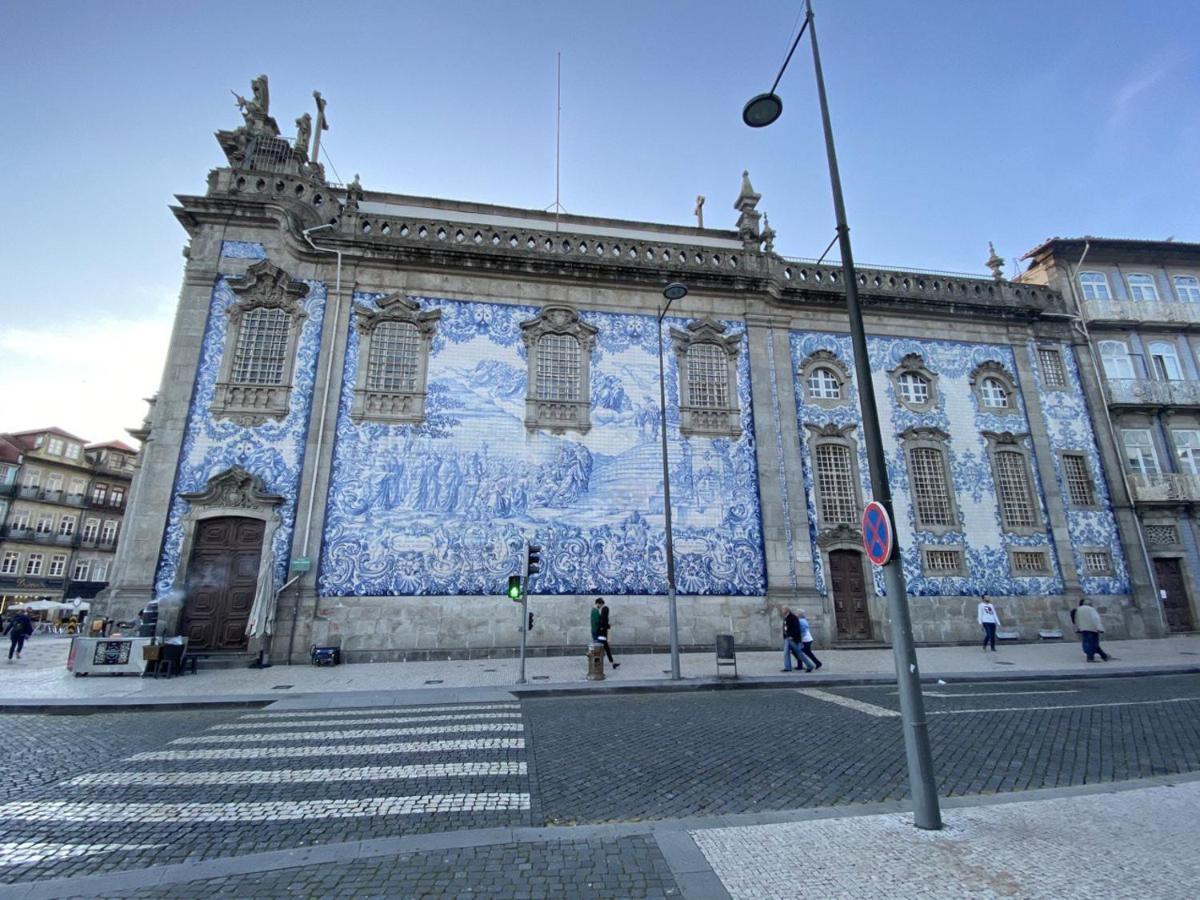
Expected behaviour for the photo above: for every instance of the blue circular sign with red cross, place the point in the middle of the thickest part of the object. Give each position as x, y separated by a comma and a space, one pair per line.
878, 535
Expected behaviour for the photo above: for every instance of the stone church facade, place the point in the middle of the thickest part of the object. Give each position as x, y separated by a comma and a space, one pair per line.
372, 400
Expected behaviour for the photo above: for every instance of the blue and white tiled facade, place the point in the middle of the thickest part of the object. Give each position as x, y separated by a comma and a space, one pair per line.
442, 508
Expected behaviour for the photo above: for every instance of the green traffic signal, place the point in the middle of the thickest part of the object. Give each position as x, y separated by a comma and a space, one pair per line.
514, 587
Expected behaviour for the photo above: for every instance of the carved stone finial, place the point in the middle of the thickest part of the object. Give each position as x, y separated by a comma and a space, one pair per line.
354, 193
768, 235
303, 133
698, 212
995, 263
745, 204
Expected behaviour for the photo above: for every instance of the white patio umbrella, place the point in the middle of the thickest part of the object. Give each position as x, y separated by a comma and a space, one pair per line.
262, 611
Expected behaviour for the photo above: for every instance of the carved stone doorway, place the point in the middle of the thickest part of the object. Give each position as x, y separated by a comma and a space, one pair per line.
222, 576
1169, 577
849, 595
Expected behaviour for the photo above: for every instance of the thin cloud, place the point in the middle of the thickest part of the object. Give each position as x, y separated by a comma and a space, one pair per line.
1146, 78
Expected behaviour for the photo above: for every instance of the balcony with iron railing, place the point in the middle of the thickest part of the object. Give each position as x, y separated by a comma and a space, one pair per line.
1127, 312
1145, 392
1165, 487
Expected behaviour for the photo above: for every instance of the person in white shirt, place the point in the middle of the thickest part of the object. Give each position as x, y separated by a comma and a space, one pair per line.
990, 620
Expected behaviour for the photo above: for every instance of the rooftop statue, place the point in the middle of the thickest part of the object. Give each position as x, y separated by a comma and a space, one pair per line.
303, 133
256, 111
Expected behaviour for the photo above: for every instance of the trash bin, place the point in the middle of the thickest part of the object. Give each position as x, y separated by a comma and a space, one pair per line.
149, 620
726, 653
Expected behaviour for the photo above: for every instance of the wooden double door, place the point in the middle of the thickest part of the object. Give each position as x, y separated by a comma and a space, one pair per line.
1168, 575
222, 578
849, 595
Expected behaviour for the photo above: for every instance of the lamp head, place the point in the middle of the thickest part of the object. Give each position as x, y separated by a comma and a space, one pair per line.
675, 291
762, 110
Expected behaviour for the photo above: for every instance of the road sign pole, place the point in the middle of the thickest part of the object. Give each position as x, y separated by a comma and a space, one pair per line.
524, 631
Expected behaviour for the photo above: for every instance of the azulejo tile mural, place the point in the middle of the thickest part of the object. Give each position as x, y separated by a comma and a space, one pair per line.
273, 451
442, 508
955, 412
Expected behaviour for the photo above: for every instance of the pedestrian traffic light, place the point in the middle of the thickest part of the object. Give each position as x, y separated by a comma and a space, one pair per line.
533, 560
514, 587
530, 628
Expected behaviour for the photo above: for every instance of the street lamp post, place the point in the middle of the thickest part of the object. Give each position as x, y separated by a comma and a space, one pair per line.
673, 291
763, 110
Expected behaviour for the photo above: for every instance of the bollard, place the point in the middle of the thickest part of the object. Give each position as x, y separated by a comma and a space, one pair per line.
595, 658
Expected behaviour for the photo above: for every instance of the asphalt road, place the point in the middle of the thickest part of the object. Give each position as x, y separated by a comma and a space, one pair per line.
109, 792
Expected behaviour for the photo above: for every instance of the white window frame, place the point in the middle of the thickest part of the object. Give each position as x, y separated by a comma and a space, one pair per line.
54, 482
58, 565
1141, 456
55, 446
1121, 362
45, 524
1164, 361
20, 520
108, 533
823, 384
817, 361
100, 573
1094, 286
33, 563
11, 564
1187, 288
100, 494
91, 529
82, 570
116, 495
31, 478
66, 525
1187, 449
1142, 287
72, 451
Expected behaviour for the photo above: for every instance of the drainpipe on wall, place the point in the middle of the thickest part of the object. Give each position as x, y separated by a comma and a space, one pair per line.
1081, 324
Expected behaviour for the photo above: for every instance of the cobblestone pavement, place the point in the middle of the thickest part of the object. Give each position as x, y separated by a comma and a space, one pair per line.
128, 791
630, 867
653, 756
1137, 843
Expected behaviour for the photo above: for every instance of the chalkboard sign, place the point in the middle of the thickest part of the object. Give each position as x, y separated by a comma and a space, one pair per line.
112, 653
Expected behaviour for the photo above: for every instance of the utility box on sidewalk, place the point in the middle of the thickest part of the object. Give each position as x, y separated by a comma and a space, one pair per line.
726, 653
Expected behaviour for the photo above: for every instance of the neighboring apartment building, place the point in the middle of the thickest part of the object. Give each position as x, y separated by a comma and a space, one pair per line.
377, 422
1138, 304
63, 503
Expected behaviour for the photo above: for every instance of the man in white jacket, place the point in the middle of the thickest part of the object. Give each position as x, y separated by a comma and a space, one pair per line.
990, 620
1090, 627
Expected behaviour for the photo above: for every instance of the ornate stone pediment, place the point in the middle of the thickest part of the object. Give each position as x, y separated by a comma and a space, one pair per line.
1001, 438
829, 430
992, 368
558, 414
235, 488
396, 308
377, 400
924, 434
559, 320
267, 286
839, 534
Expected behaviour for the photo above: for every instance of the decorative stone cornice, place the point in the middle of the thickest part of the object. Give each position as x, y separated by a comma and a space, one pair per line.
235, 488
839, 534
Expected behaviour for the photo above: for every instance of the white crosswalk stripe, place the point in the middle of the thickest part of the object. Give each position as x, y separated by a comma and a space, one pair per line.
365, 720
394, 710
15, 853
333, 750
296, 776
270, 811
354, 735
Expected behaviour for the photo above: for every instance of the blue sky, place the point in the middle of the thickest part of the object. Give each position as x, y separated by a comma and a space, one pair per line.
957, 123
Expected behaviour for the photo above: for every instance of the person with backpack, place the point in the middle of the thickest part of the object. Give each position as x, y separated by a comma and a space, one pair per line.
20, 626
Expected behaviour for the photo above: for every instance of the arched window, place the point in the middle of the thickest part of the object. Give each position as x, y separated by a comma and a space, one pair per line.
823, 384
1165, 361
1141, 288
914, 388
1094, 285
1114, 356
994, 394
1187, 287
394, 359
558, 345
707, 376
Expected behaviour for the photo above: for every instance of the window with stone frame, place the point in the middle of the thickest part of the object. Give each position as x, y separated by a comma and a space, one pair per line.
558, 349
254, 384
995, 390
823, 384
1187, 449
822, 379
1013, 476
914, 384
1114, 357
1162, 534
54, 484
1142, 287
394, 341
933, 499
1140, 455
1081, 490
1097, 563
942, 562
1187, 288
706, 363
1054, 373
108, 535
1095, 286
91, 528
835, 475
1164, 361
1027, 563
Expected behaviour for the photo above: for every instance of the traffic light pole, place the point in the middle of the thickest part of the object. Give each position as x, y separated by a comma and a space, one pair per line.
524, 631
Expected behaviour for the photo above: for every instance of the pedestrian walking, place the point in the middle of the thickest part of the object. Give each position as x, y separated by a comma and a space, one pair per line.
806, 641
600, 627
1090, 627
793, 638
19, 627
989, 619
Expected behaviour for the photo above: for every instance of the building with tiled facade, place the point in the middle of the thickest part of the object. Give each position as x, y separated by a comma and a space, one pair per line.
1138, 304
61, 506
372, 399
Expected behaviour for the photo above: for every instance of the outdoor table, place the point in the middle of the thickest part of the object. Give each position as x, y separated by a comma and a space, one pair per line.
108, 655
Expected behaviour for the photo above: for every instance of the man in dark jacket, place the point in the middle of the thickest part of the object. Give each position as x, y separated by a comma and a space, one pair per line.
600, 628
19, 627
792, 639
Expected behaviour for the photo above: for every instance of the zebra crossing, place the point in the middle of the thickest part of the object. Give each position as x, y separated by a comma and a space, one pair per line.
269, 780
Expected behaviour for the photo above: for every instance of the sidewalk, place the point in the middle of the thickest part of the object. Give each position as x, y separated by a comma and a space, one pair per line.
40, 678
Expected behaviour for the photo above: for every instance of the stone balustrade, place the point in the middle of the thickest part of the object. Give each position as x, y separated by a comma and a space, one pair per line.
1130, 311
1165, 487
1144, 392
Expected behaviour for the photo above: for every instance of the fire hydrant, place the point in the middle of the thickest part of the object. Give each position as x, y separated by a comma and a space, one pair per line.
595, 657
